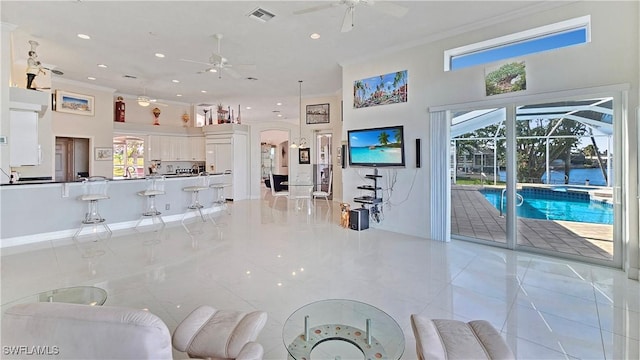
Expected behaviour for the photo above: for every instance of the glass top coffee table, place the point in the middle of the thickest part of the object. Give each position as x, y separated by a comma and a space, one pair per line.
86, 295
372, 331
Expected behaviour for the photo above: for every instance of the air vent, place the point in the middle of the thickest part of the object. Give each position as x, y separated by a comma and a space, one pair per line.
129, 76
261, 14
252, 78
205, 105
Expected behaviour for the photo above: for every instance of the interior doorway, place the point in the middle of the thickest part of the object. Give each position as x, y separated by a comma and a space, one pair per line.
323, 166
71, 159
274, 153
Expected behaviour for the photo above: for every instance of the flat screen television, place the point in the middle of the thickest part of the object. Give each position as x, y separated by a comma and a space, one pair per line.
376, 147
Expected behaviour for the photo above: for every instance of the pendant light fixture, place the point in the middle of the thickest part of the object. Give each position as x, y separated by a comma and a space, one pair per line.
302, 142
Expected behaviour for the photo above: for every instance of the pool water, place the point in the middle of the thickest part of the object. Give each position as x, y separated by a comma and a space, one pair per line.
552, 205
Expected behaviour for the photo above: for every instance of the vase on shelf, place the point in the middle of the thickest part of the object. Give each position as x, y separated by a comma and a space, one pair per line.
156, 115
185, 119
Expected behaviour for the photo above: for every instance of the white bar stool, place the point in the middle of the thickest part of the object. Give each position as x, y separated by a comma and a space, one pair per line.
219, 198
94, 190
155, 186
201, 184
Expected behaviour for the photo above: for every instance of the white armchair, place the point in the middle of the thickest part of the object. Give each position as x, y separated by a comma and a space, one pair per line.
71, 331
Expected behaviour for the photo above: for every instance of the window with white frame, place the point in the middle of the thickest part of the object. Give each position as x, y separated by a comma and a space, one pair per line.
549, 37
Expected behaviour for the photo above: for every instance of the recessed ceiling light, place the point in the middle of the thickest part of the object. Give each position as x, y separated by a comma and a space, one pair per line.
279, 104
175, 81
178, 95
315, 36
279, 115
83, 36
159, 55
248, 108
213, 70
102, 66
203, 91
91, 78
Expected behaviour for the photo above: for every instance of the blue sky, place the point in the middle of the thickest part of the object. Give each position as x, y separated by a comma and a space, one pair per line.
387, 80
551, 42
369, 137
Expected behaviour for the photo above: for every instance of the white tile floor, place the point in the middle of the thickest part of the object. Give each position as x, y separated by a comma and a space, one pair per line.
271, 258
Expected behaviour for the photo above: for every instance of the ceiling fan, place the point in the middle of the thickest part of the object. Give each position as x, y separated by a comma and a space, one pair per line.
385, 7
218, 63
144, 100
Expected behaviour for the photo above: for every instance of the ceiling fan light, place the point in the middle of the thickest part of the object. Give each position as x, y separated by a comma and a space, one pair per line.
143, 101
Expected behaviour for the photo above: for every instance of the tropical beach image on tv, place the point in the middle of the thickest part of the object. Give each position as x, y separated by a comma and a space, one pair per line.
376, 147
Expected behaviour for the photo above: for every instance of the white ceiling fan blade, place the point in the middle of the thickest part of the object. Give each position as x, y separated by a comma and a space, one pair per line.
245, 67
347, 23
387, 7
195, 62
315, 8
234, 74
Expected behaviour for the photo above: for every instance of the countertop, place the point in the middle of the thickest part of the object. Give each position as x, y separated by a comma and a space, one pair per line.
44, 180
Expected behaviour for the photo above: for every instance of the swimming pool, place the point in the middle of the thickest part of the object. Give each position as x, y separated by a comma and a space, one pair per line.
548, 204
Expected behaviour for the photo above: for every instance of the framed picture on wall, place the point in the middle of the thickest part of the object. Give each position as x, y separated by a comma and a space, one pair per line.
304, 156
73, 103
318, 114
103, 154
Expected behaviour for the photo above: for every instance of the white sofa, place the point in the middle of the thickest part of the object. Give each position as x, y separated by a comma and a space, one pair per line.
71, 331
441, 339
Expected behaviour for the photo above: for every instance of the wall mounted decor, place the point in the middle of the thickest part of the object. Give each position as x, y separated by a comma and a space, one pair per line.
103, 153
304, 156
318, 114
73, 103
384, 89
505, 78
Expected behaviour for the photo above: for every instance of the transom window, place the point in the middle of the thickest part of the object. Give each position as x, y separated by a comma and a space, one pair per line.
550, 37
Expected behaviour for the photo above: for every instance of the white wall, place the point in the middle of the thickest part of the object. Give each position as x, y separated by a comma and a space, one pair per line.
611, 58
334, 126
170, 115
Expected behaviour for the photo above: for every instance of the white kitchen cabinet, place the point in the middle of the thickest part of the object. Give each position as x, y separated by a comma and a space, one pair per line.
179, 148
196, 148
23, 142
176, 148
154, 147
227, 151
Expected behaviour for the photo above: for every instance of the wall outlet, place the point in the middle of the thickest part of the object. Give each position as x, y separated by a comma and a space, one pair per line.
167, 206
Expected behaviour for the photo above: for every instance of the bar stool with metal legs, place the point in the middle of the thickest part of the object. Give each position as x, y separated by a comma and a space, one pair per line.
94, 190
155, 186
201, 184
219, 198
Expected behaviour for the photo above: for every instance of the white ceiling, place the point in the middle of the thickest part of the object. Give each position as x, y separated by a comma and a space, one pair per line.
125, 35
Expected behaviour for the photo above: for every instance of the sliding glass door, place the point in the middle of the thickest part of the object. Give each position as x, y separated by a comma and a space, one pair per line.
478, 158
540, 177
565, 177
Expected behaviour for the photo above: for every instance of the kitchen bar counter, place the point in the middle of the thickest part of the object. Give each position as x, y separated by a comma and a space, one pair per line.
40, 211
32, 181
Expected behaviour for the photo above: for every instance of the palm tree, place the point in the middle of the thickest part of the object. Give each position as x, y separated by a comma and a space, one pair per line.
383, 138
358, 87
397, 136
